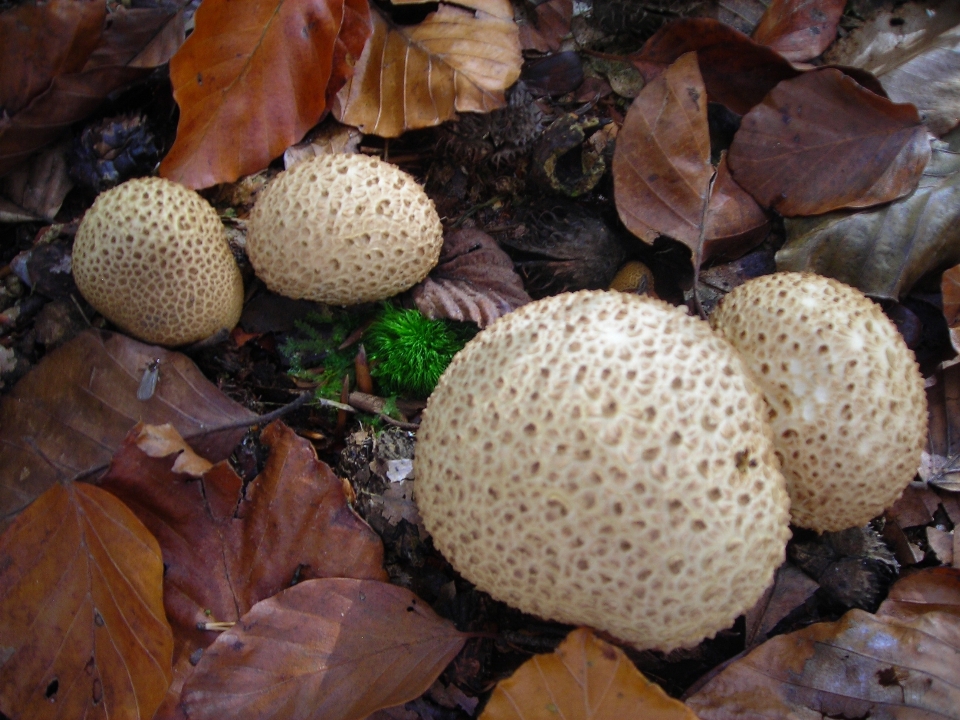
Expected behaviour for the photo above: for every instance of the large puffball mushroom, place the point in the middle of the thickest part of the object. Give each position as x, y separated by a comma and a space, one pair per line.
846, 398
343, 229
152, 257
602, 459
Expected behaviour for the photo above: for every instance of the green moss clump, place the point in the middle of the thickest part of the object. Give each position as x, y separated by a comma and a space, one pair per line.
408, 352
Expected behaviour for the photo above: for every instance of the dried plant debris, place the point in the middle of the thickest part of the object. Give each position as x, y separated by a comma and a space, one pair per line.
562, 159
636, 21
112, 150
560, 248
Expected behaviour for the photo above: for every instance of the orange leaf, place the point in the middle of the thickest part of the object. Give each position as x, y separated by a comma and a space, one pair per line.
661, 165
415, 77
799, 29
336, 649
81, 610
821, 141
584, 679
253, 78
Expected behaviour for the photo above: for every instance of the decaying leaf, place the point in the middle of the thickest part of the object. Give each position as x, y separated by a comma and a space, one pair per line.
900, 663
799, 29
914, 49
133, 42
82, 628
734, 222
336, 649
791, 588
329, 138
737, 71
940, 462
883, 252
226, 547
253, 78
744, 15
68, 415
456, 60
474, 281
950, 292
584, 677
35, 190
821, 141
661, 165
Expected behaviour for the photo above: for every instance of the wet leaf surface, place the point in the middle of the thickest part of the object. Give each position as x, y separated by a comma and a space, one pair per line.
820, 142
81, 611
456, 60
800, 30
70, 413
883, 252
307, 651
584, 678
256, 72
474, 281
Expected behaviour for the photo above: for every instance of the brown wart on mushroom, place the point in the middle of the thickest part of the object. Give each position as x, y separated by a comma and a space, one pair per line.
152, 257
343, 229
602, 459
845, 395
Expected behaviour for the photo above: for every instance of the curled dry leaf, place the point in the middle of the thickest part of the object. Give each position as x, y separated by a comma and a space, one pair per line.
257, 71
914, 50
584, 677
883, 252
902, 662
474, 281
336, 649
67, 416
799, 29
226, 547
81, 610
791, 588
734, 222
456, 60
821, 141
35, 190
940, 462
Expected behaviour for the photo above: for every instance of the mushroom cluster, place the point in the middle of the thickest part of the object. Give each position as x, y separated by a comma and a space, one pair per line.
603, 459
152, 257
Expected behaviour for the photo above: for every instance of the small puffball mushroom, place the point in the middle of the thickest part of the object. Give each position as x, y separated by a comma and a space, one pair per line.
845, 395
343, 229
601, 458
152, 257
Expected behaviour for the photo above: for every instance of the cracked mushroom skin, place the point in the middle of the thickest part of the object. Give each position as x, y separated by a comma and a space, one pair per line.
602, 459
343, 229
152, 257
845, 395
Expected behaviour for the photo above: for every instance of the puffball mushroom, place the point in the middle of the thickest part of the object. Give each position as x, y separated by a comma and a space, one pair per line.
845, 395
152, 257
602, 459
343, 229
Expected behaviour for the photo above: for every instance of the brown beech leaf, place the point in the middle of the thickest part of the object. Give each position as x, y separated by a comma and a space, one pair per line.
791, 588
336, 649
820, 142
914, 50
36, 189
474, 281
252, 79
902, 662
800, 30
583, 678
132, 43
82, 628
950, 292
661, 165
883, 252
940, 462
67, 416
734, 222
456, 60
226, 547
737, 71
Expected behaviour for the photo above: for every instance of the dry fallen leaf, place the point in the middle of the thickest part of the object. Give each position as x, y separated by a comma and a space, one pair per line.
821, 141
456, 60
744, 15
67, 416
474, 281
900, 663
799, 29
883, 252
35, 190
82, 628
333, 649
791, 588
950, 291
226, 546
940, 462
734, 222
584, 678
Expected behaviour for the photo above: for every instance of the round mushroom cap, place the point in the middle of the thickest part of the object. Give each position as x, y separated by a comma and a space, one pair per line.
343, 229
152, 257
846, 398
601, 458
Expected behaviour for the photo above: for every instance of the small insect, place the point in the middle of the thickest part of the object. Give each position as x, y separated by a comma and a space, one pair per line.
148, 383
